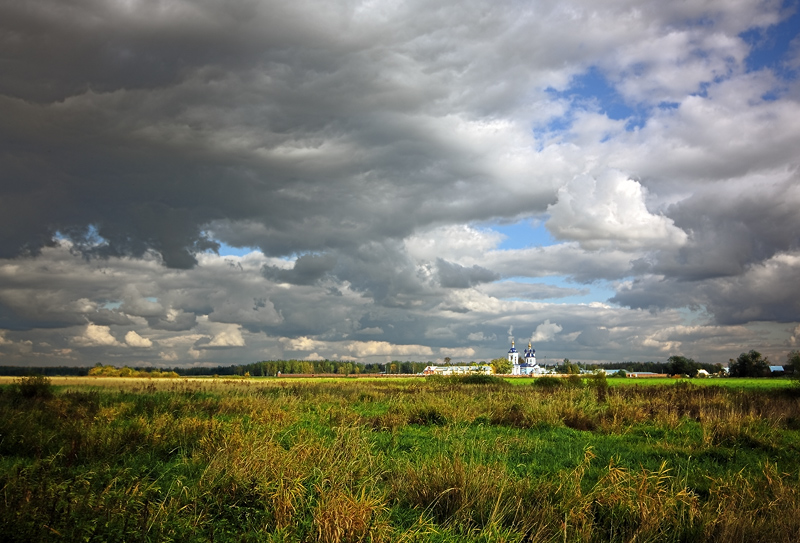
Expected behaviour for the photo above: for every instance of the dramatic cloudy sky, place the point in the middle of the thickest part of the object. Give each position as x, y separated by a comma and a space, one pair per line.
190, 182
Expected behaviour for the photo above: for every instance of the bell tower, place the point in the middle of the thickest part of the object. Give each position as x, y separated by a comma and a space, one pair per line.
513, 355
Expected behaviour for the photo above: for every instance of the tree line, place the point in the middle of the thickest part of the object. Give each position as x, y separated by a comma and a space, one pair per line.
749, 364
675, 365
272, 368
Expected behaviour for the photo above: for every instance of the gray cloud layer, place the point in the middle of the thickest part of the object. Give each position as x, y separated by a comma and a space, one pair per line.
359, 146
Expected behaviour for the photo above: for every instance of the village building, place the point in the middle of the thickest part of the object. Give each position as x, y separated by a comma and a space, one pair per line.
457, 370
528, 366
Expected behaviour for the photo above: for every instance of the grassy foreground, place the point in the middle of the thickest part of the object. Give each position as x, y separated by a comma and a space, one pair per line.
406, 460
744, 383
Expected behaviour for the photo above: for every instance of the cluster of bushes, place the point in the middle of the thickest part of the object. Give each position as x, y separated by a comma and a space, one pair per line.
125, 371
33, 386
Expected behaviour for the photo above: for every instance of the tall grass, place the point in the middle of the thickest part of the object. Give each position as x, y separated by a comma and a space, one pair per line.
437, 460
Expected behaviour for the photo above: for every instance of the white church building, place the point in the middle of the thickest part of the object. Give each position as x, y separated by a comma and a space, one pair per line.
529, 366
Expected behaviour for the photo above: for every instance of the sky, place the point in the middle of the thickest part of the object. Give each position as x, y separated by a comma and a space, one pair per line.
214, 183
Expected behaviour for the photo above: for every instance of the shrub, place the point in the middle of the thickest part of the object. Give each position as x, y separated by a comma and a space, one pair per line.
427, 416
514, 416
578, 420
435, 379
34, 386
548, 382
574, 381
600, 385
481, 379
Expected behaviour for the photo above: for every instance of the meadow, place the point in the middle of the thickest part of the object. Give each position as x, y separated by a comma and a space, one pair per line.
423, 459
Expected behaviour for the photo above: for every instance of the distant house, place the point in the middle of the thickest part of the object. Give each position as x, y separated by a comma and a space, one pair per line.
457, 370
703, 373
777, 370
635, 374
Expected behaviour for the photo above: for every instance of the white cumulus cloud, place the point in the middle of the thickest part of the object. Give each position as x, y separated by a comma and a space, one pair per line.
546, 331
135, 340
609, 211
230, 336
96, 336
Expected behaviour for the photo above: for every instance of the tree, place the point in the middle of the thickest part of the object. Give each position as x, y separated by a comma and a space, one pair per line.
501, 365
570, 368
446, 360
682, 366
749, 365
793, 364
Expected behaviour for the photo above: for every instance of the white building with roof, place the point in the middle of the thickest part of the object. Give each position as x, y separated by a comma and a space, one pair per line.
529, 366
457, 370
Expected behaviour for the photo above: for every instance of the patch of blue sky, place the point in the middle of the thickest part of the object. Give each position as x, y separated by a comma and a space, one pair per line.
522, 234
599, 291
88, 235
703, 89
593, 85
559, 124
227, 250
770, 48
592, 91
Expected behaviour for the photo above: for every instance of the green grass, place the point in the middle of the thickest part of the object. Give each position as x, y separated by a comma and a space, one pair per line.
748, 383
400, 460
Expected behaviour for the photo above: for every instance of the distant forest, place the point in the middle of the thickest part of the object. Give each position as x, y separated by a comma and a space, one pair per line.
676, 365
255, 369
288, 367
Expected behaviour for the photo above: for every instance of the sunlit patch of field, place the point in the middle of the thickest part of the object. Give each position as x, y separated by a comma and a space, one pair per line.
385, 459
728, 382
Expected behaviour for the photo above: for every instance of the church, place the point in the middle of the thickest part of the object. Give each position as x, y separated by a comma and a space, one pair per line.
529, 366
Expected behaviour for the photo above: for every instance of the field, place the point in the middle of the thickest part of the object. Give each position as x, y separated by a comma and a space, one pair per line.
738, 383
93, 459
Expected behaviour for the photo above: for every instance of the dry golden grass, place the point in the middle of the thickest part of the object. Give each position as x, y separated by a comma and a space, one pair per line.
271, 460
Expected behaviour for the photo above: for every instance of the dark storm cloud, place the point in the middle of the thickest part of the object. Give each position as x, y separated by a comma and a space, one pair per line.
732, 228
308, 269
763, 292
179, 322
13, 319
59, 49
740, 259
593, 336
452, 275
530, 291
149, 128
